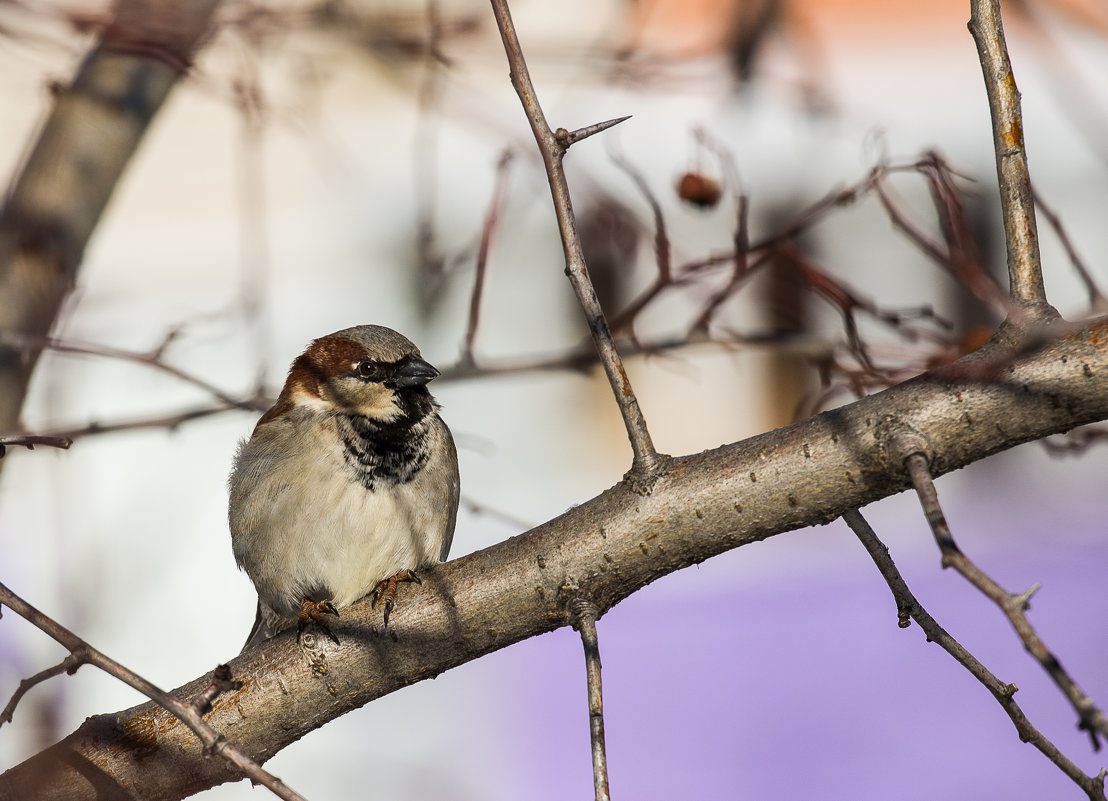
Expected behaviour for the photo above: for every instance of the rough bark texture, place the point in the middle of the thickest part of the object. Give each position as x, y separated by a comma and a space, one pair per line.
603, 550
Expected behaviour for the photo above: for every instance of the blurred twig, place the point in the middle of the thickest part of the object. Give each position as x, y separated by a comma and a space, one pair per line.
1097, 302
34, 345
488, 231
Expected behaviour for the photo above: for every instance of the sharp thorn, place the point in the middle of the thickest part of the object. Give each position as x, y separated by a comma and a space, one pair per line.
567, 138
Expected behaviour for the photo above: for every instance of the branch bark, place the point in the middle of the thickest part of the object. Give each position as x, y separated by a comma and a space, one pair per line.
1021, 236
602, 550
553, 146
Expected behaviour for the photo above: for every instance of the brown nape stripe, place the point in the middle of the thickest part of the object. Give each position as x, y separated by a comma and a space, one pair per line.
324, 359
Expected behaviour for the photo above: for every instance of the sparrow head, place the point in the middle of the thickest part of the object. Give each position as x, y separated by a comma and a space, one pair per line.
368, 370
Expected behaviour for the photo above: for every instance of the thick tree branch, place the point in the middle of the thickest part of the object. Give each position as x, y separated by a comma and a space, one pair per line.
602, 550
1021, 236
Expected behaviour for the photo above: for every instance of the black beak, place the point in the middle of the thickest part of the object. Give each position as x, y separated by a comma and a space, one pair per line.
412, 372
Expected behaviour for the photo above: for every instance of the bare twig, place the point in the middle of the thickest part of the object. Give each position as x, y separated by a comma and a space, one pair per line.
1021, 238
966, 269
1091, 718
488, 230
222, 682
741, 267
907, 606
68, 665
553, 144
584, 620
170, 421
81, 653
847, 301
578, 360
29, 441
1097, 302
481, 508
33, 344
662, 250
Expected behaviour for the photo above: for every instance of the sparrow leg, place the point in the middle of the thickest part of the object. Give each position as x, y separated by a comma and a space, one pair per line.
315, 611
386, 589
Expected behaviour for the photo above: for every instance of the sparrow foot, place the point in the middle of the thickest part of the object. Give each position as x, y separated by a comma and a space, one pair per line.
386, 589
316, 611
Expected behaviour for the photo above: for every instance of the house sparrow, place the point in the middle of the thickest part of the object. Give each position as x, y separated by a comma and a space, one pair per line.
348, 483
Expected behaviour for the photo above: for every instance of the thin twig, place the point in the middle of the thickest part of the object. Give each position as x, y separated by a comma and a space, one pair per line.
29, 441
1097, 302
553, 144
33, 344
68, 665
488, 230
741, 267
169, 422
1091, 718
966, 271
662, 249
222, 682
578, 360
907, 606
1021, 238
190, 714
584, 620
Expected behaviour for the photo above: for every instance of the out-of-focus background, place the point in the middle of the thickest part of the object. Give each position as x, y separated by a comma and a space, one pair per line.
332, 163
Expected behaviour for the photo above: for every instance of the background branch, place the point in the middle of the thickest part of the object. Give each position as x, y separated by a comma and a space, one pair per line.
93, 130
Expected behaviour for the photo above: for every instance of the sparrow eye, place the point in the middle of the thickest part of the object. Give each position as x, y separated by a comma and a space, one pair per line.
368, 369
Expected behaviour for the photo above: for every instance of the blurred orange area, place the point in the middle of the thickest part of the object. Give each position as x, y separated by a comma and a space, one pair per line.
700, 27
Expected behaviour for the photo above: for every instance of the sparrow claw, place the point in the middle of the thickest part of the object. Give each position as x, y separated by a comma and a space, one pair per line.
386, 589
316, 611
